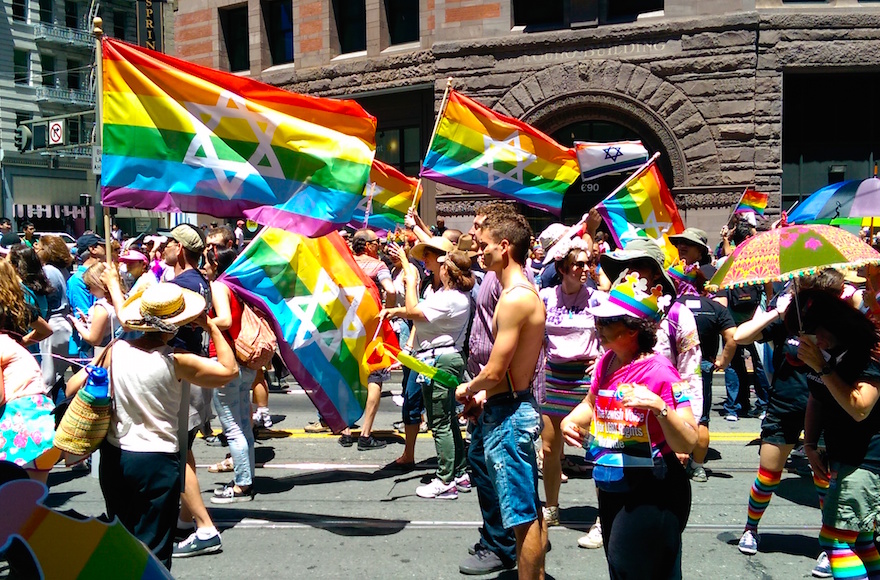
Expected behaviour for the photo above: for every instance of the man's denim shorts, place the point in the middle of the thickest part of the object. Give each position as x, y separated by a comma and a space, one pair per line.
511, 426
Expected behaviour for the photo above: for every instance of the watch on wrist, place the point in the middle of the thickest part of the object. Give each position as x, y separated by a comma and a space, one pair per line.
663, 412
826, 370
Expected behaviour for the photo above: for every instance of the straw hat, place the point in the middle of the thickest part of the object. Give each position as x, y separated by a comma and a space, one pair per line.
163, 303
438, 244
467, 245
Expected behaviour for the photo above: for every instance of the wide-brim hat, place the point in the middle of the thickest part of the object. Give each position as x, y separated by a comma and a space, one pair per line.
165, 301
561, 249
466, 245
133, 256
551, 234
693, 236
637, 250
438, 244
631, 296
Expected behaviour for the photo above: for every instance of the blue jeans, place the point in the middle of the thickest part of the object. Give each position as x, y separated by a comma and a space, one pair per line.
499, 541
233, 406
511, 428
706, 374
731, 381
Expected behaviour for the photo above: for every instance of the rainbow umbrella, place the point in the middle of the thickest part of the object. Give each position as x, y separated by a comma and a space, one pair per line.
856, 198
790, 252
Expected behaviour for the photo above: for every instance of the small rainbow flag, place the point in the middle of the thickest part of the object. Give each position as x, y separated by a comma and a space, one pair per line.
477, 149
323, 309
389, 194
752, 201
180, 137
642, 206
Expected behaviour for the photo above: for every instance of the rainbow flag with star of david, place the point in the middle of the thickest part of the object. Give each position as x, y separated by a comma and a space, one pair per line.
322, 307
477, 149
387, 198
180, 137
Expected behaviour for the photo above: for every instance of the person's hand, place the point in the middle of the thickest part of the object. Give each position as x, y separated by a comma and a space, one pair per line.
409, 221
573, 434
594, 220
782, 303
725, 232
591, 367
384, 314
818, 462
641, 397
110, 276
202, 321
462, 395
810, 353
474, 406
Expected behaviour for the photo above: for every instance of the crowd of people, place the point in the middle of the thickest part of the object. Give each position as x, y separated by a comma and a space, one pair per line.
552, 339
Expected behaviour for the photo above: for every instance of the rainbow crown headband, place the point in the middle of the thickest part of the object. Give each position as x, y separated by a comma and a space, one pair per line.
631, 294
684, 272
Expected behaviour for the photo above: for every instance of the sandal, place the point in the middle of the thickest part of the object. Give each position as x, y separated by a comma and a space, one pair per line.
223, 467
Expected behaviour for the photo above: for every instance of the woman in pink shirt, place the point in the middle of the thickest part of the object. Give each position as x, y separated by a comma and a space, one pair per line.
639, 416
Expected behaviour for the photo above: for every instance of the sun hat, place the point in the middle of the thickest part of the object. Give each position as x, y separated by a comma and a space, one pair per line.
188, 236
438, 244
629, 296
466, 245
163, 304
561, 249
637, 250
682, 272
132, 256
551, 234
695, 237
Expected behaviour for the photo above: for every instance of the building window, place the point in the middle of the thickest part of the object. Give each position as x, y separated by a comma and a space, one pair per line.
278, 17
403, 20
46, 11
234, 22
71, 14
21, 67
19, 9
628, 10
351, 25
47, 62
74, 74
400, 148
546, 15
119, 21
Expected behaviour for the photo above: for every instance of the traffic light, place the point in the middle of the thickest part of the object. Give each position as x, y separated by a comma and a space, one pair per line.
23, 137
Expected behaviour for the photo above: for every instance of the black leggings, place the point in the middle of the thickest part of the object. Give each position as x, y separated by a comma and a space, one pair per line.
649, 519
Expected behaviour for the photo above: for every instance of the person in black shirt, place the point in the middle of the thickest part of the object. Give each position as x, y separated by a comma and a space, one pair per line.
839, 348
787, 400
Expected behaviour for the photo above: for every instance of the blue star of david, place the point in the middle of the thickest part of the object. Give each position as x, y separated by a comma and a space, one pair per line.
612, 153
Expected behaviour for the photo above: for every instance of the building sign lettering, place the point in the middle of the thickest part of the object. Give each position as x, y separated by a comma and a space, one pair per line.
619, 51
149, 18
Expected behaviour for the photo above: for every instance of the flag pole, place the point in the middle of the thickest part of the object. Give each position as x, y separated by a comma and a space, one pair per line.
98, 31
369, 204
737, 204
433, 134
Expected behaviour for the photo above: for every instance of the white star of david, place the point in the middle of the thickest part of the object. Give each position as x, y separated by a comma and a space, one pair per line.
652, 226
509, 151
324, 293
262, 122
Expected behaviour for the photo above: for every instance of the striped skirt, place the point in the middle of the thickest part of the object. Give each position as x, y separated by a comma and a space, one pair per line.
567, 385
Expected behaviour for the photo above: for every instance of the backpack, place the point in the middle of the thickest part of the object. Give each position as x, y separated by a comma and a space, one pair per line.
256, 342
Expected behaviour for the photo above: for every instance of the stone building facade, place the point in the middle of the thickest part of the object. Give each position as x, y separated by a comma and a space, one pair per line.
701, 82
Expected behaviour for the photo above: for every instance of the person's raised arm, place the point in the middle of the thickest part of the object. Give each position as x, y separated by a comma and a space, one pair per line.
390, 292
857, 400
220, 300
206, 372
750, 331
110, 278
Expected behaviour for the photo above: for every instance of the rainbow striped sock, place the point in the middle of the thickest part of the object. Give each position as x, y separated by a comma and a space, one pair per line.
760, 494
821, 486
866, 550
838, 544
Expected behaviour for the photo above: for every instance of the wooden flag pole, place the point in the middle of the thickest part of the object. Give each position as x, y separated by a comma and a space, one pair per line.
98, 31
433, 134
736, 205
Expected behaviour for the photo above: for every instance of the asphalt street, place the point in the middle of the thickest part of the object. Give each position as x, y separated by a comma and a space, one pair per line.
323, 511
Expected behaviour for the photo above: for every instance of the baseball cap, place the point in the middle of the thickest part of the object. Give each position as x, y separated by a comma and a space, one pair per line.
188, 236
86, 241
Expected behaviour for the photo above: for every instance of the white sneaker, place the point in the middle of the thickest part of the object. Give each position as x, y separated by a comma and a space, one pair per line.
731, 417
822, 569
437, 490
463, 483
551, 515
748, 543
593, 539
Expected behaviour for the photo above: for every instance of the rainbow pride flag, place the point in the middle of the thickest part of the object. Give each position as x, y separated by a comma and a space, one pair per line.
389, 194
180, 137
477, 149
642, 206
323, 309
752, 201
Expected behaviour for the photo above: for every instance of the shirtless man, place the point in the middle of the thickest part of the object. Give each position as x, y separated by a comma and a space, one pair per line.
510, 421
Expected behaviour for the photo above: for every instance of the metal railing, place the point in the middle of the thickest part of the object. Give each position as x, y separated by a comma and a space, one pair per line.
66, 96
62, 34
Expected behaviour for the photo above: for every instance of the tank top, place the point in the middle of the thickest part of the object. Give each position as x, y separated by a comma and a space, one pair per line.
231, 333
